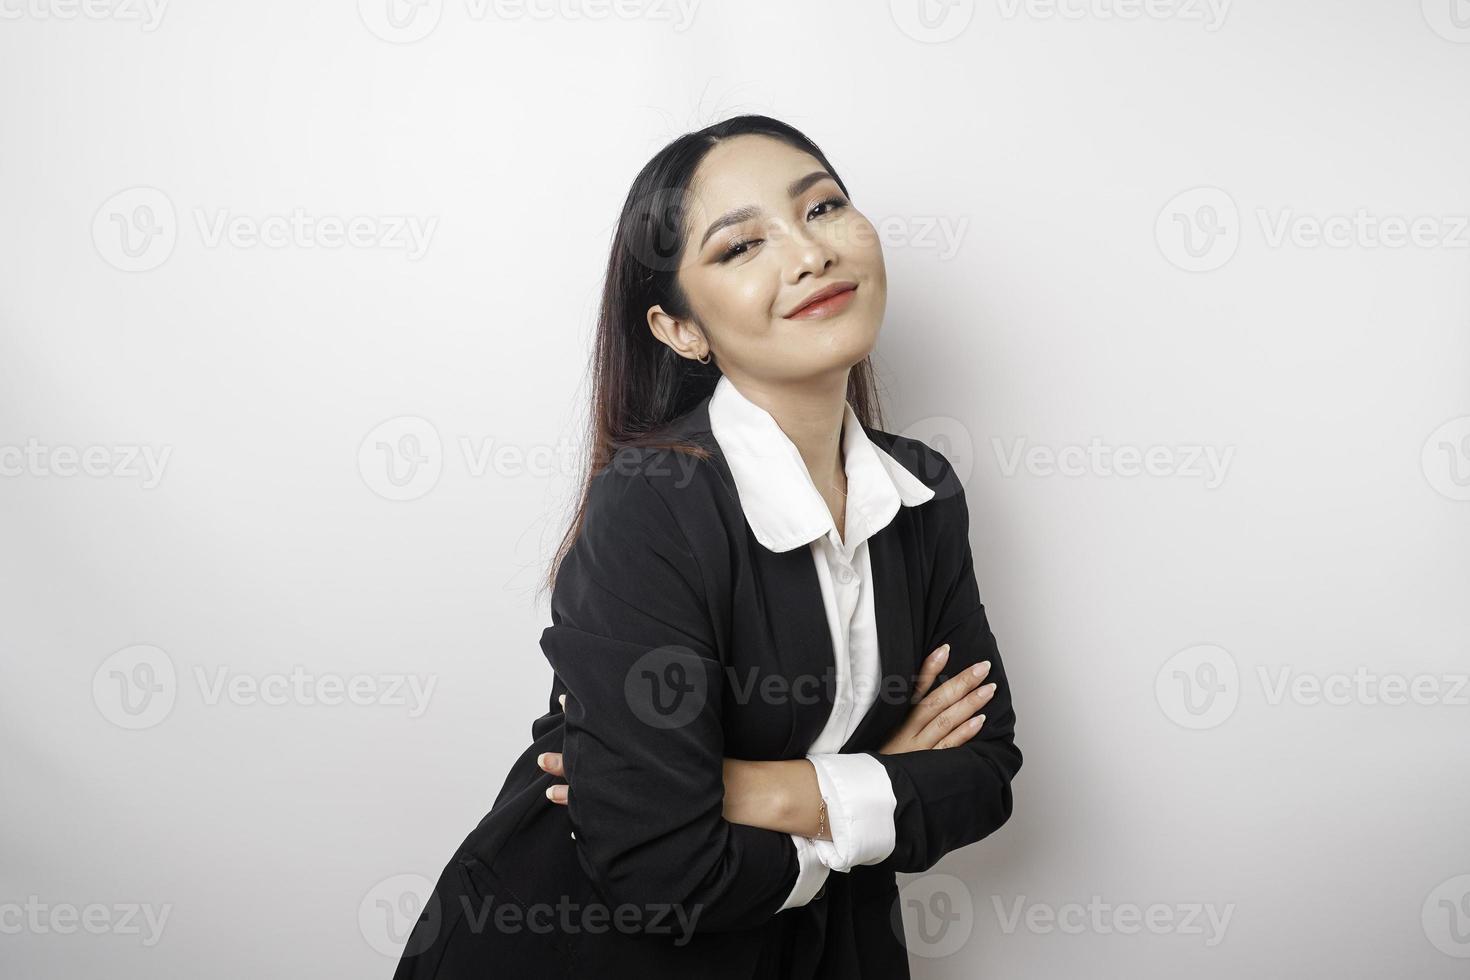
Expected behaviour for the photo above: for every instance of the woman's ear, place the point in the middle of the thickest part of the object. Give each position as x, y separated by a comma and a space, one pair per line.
684, 338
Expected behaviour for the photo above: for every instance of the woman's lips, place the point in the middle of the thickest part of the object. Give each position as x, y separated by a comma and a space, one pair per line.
830, 306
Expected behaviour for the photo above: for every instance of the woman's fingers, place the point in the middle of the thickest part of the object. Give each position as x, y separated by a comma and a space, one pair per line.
552, 763
962, 734
924, 707
930, 669
943, 718
918, 715
956, 701
945, 696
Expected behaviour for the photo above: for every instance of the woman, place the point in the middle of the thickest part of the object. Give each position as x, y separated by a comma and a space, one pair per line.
769, 648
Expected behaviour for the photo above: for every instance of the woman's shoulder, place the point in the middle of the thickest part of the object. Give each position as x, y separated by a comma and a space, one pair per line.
657, 482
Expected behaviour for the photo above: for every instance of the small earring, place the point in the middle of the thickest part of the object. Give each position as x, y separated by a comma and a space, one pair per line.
705, 359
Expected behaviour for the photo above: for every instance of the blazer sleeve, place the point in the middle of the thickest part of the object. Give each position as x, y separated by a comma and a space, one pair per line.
632, 641
948, 798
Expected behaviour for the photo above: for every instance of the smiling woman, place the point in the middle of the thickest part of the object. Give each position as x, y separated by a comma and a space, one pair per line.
775, 683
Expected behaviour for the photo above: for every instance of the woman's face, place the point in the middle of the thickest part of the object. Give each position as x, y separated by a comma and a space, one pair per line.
767, 229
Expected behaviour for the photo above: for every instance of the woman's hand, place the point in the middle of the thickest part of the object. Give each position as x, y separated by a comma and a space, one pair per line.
942, 720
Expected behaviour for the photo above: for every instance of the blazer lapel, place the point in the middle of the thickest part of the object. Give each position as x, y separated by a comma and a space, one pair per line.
802, 638
893, 610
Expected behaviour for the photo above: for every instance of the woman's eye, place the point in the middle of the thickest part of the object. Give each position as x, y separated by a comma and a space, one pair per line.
737, 248
836, 202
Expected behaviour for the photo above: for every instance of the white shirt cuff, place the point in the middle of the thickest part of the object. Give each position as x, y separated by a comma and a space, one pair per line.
860, 807
810, 879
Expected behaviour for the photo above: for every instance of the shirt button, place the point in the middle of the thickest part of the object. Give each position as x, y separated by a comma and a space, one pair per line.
845, 575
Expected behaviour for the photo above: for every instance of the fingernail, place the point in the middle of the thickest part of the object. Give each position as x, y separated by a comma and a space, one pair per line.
979, 669
549, 796
941, 653
541, 760
977, 721
562, 698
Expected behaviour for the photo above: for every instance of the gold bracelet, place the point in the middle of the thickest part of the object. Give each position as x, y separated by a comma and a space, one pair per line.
822, 818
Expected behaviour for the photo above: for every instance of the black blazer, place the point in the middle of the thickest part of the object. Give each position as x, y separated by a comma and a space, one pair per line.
679, 640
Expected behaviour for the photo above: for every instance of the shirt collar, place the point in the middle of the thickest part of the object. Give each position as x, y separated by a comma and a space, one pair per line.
782, 506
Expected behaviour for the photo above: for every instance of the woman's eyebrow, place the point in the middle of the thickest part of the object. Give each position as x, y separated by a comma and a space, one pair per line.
738, 215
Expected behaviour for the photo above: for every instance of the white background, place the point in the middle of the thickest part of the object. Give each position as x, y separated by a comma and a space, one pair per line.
1048, 286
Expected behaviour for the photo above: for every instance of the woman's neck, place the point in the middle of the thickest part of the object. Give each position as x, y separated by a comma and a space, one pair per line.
811, 414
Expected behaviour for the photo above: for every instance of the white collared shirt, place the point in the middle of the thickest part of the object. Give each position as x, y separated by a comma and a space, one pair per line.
785, 510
